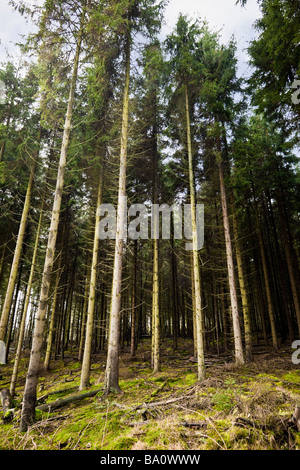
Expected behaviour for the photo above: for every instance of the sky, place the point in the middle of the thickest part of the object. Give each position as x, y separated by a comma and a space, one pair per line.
222, 15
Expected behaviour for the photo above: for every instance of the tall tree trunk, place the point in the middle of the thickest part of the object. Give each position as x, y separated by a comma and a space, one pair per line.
155, 311
86, 363
25, 309
288, 255
2, 258
53, 318
3, 145
133, 303
13, 313
155, 280
83, 320
267, 283
17, 256
196, 273
174, 292
245, 303
29, 398
238, 346
112, 364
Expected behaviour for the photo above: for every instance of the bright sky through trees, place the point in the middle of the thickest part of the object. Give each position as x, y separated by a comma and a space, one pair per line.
222, 15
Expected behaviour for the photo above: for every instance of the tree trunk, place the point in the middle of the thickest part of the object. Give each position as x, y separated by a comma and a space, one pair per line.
53, 318
83, 321
289, 262
29, 399
133, 304
112, 364
155, 311
25, 309
86, 363
13, 313
7, 404
174, 292
245, 303
155, 279
267, 284
17, 256
196, 273
3, 145
238, 346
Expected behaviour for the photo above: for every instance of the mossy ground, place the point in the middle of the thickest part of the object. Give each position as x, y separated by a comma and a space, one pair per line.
245, 408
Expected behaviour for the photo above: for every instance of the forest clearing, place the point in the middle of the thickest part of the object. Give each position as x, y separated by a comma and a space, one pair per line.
149, 230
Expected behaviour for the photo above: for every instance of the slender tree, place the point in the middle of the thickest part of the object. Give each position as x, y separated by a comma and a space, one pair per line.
140, 16
29, 398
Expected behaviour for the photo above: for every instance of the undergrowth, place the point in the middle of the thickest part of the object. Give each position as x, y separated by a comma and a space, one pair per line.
246, 408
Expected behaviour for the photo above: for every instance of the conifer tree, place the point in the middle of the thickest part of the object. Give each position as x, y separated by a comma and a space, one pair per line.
29, 399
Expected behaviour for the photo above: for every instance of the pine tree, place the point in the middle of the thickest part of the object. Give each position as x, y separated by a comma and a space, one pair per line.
139, 16
29, 399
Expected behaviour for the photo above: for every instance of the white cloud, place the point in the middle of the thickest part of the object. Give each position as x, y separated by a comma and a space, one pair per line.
12, 27
220, 14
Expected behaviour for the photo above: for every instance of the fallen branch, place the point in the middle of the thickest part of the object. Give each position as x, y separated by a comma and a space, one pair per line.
51, 419
42, 399
66, 401
193, 425
146, 405
247, 422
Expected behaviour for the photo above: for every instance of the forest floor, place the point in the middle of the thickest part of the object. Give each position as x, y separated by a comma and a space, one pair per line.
235, 408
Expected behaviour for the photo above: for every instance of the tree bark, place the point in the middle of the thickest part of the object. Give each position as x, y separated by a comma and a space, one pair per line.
17, 256
7, 403
53, 317
29, 398
155, 311
25, 309
86, 362
238, 346
267, 284
195, 258
245, 303
133, 303
112, 364
155, 280
83, 321
288, 255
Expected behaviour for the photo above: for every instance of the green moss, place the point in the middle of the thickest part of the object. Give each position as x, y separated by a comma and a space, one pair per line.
155, 437
223, 401
269, 377
124, 443
292, 376
189, 379
75, 365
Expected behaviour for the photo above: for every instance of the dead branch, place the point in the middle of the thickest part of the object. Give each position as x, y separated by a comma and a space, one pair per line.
42, 399
66, 401
193, 425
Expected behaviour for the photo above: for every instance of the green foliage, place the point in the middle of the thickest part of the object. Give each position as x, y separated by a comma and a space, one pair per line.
275, 55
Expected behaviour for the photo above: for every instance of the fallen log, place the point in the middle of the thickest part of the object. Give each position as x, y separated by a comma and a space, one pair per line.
60, 402
41, 400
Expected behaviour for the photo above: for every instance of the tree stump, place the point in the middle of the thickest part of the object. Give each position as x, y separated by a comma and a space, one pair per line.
296, 417
7, 405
